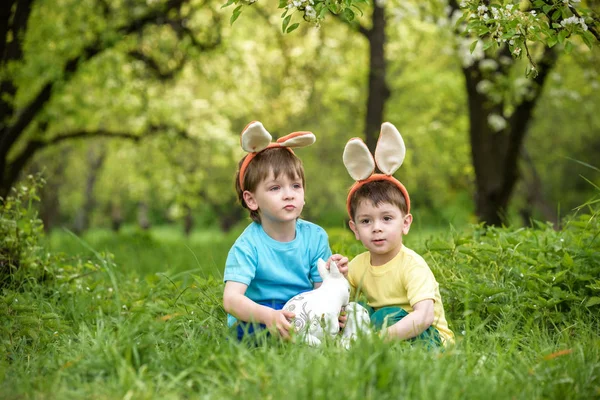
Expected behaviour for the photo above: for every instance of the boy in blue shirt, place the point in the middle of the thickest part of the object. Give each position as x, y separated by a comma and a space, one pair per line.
275, 258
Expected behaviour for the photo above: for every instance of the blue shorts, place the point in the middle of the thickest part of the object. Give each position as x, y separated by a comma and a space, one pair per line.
251, 329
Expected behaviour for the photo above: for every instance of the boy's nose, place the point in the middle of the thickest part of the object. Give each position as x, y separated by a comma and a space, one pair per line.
288, 194
376, 227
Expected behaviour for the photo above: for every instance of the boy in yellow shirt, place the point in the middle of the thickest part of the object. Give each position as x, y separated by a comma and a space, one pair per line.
401, 291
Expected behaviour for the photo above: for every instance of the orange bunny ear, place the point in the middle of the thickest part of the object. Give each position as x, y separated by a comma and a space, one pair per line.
255, 137
297, 139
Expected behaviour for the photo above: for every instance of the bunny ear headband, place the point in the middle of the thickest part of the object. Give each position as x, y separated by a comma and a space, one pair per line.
255, 138
389, 156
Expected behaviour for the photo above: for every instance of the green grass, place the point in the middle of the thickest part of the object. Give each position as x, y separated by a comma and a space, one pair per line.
146, 323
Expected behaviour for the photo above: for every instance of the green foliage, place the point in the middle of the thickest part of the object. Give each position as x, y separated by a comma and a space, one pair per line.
531, 276
20, 231
547, 22
148, 322
109, 330
312, 11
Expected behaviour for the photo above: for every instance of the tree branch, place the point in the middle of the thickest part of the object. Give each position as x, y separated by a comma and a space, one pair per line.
31, 110
33, 146
355, 25
153, 66
5, 13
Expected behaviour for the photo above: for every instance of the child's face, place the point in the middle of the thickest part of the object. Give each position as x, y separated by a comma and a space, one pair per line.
380, 229
277, 200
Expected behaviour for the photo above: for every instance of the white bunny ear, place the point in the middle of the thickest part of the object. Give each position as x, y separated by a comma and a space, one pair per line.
255, 137
322, 267
297, 139
334, 272
390, 150
358, 159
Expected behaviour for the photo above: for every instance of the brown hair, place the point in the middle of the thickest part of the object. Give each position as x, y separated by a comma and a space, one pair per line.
279, 160
378, 192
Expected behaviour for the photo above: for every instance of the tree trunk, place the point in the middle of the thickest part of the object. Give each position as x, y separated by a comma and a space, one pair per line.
188, 220
96, 155
116, 215
495, 152
379, 91
143, 220
49, 198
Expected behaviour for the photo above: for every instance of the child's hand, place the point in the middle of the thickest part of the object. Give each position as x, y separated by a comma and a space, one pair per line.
342, 318
279, 323
341, 262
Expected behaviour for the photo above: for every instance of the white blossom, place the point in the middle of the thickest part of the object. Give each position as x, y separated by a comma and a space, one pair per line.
496, 122
574, 20
484, 86
310, 12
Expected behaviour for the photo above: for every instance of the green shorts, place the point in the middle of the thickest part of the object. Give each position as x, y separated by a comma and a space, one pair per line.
388, 316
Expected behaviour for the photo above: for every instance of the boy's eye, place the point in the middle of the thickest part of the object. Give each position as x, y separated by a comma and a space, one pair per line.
364, 221
297, 186
273, 188
387, 218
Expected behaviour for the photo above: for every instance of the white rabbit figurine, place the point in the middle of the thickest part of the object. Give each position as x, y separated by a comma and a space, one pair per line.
317, 311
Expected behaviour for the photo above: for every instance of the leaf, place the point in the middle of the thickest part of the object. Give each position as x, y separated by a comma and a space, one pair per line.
568, 47
588, 39
567, 261
348, 14
593, 301
236, 14
473, 45
559, 353
229, 2
562, 35
293, 27
285, 23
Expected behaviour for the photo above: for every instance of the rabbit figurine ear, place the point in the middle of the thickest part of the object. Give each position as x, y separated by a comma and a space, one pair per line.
358, 159
322, 268
390, 150
255, 137
334, 272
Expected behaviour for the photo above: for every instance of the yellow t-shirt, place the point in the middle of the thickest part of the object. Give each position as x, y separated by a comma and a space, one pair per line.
402, 282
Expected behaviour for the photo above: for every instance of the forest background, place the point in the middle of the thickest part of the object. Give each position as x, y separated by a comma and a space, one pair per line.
132, 110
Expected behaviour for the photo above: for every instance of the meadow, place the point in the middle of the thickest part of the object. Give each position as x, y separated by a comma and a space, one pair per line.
138, 315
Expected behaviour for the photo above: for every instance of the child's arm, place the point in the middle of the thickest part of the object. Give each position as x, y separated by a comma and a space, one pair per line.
414, 323
237, 304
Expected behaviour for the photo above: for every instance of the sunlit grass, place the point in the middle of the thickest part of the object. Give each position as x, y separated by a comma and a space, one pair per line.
148, 323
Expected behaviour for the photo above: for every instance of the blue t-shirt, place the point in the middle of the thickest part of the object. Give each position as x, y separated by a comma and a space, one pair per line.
273, 270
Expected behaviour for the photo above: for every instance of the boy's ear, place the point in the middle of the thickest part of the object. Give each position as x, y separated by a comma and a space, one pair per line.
353, 228
406, 225
250, 200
